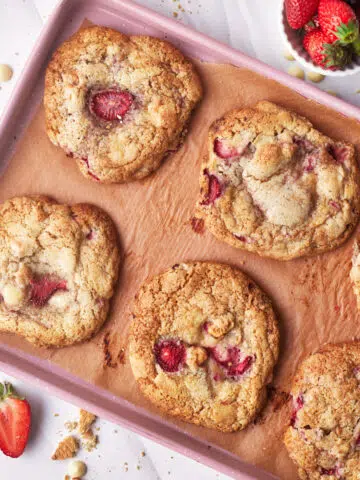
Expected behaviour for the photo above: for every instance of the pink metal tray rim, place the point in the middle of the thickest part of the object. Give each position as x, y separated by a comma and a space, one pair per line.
67, 386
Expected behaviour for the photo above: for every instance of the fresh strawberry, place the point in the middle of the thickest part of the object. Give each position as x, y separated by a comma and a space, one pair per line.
338, 21
110, 104
300, 12
170, 355
42, 288
312, 25
15, 420
324, 52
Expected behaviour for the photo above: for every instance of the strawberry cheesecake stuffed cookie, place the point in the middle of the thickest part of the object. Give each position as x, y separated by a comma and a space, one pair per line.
117, 104
58, 268
323, 437
274, 185
203, 344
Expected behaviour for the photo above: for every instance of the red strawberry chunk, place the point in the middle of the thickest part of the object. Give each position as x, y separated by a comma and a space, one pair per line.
231, 362
214, 189
43, 288
310, 163
110, 104
328, 471
339, 152
170, 355
298, 404
334, 204
224, 150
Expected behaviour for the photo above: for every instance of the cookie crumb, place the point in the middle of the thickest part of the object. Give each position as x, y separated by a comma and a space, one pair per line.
85, 421
70, 426
142, 453
67, 448
175, 14
89, 441
198, 225
6, 72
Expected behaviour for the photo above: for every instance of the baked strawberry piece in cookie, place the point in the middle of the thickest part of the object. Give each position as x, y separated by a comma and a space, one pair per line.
58, 268
274, 185
203, 344
323, 436
118, 105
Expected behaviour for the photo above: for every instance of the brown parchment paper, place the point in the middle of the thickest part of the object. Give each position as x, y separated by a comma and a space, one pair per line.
312, 296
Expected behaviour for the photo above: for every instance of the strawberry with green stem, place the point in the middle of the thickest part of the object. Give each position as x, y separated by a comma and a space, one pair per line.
15, 421
338, 21
324, 52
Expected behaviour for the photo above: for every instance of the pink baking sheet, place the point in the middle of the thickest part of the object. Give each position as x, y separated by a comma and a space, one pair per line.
129, 18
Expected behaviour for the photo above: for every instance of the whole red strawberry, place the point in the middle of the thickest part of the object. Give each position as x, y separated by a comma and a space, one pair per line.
338, 21
15, 420
300, 12
325, 53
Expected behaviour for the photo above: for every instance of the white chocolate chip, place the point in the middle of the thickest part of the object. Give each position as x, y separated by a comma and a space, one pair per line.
296, 71
77, 469
12, 295
5, 72
59, 300
315, 77
288, 56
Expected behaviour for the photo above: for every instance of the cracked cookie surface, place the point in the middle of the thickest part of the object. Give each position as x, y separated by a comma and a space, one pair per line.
58, 268
323, 437
203, 344
117, 104
274, 185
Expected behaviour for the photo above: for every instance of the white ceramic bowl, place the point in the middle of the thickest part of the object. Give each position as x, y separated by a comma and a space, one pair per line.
293, 43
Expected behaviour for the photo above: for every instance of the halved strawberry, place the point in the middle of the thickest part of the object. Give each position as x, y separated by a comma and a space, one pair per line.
42, 288
110, 104
15, 421
170, 355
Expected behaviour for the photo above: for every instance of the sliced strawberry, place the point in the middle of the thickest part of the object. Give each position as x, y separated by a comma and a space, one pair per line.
110, 104
42, 288
170, 355
15, 421
230, 361
214, 189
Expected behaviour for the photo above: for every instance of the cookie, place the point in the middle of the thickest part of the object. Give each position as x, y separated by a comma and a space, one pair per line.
203, 344
58, 268
273, 185
118, 105
323, 437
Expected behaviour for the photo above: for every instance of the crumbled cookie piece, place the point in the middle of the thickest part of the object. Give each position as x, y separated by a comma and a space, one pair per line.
71, 426
89, 441
86, 420
67, 448
215, 381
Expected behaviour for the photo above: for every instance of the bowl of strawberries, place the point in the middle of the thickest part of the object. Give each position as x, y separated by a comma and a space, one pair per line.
323, 35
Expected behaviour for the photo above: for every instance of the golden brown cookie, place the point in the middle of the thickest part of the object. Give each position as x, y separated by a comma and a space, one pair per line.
203, 344
117, 104
323, 437
58, 268
274, 185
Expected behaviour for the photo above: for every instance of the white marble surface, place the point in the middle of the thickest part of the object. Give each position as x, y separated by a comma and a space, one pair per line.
249, 25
